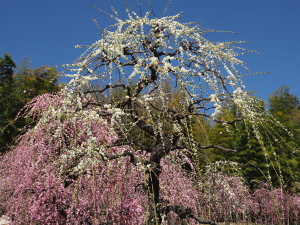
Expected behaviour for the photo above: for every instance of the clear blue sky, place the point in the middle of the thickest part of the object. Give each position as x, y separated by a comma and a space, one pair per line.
47, 30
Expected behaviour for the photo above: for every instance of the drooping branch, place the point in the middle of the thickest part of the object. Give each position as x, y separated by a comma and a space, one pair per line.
216, 147
71, 177
179, 116
105, 88
185, 213
180, 147
133, 158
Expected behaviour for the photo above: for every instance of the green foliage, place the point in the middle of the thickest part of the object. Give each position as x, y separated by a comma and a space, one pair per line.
241, 138
34, 82
283, 101
277, 159
7, 96
16, 90
7, 66
285, 107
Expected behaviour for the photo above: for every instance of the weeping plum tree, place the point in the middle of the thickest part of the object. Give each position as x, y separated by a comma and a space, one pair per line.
139, 55
94, 158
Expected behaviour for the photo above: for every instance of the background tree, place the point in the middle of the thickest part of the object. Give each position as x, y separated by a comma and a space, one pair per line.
275, 162
283, 101
284, 106
8, 107
250, 156
34, 82
7, 66
18, 88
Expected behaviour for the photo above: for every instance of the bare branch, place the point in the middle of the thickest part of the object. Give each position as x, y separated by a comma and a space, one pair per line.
125, 153
184, 213
105, 88
216, 147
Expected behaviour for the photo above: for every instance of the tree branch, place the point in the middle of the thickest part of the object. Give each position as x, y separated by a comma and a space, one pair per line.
184, 213
216, 147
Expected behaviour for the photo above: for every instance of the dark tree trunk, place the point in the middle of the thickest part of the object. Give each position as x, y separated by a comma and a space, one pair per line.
154, 196
154, 184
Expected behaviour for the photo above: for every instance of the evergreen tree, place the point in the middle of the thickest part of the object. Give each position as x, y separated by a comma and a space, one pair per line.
285, 108
8, 107
16, 90
239, 136
277, 160
282, 101
7, 66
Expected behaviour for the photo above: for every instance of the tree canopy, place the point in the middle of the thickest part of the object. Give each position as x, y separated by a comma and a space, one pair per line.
283, 101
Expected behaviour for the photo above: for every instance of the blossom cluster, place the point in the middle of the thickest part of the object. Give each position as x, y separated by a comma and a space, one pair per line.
179, 53
227, 198
69, 172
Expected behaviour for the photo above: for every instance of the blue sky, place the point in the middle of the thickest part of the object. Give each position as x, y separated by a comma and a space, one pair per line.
48, 30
